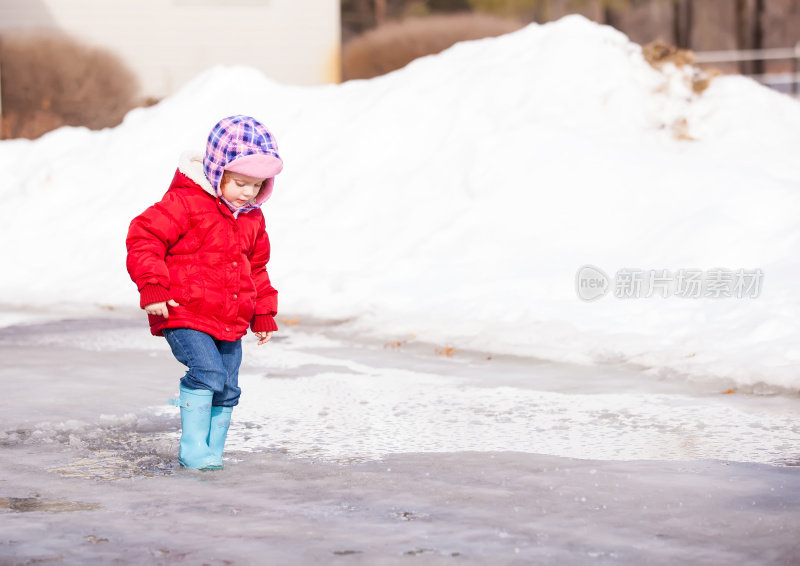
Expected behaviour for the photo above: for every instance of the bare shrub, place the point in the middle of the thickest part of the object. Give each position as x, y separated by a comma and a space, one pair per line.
52, 80
396, 44
659, 52
29, 125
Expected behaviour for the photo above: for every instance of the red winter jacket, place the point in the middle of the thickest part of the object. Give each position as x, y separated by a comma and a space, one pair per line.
189, 247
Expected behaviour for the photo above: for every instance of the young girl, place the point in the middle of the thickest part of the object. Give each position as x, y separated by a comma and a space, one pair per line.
198, 258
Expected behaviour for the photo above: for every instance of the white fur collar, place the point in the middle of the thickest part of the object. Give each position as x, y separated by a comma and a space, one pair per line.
191, 165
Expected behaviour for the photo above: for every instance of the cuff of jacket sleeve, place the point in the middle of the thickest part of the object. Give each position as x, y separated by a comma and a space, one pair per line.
263, 323
150, 294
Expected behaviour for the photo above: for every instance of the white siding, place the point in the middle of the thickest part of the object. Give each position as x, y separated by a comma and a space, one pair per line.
167, 42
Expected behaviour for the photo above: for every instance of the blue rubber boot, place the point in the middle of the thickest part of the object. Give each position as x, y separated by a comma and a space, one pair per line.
220, 421
194, 452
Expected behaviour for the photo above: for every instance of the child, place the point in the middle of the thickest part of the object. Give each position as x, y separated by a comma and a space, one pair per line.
198, 258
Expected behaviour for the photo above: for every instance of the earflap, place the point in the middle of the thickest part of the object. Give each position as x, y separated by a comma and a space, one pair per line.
265, 192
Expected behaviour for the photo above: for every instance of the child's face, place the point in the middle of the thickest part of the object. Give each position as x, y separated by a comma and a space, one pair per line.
240, 189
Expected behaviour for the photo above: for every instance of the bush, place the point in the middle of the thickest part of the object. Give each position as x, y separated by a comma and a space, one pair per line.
658, 53
51, 80
396, 44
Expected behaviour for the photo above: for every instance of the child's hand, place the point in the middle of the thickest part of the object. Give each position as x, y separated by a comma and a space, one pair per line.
160, 309
263, 337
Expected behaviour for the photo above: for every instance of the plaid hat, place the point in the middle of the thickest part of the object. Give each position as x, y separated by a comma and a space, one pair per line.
244, 145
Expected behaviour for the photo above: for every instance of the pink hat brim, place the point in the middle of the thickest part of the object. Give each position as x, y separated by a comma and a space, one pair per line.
258, 165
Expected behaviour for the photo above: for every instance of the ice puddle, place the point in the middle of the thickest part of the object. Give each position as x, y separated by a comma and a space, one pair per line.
100, 386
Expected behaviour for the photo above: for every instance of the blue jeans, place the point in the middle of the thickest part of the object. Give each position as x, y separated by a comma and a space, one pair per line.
213, 364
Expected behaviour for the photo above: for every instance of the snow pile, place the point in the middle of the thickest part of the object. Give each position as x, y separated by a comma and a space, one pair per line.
456, 199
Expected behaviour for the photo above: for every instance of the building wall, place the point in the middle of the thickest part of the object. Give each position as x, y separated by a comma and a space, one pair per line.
168, 42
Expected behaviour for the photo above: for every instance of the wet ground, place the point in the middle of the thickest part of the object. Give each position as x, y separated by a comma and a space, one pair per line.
347, 452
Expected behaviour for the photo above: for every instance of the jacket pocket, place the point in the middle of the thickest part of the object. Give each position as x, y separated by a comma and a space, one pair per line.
186, 284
